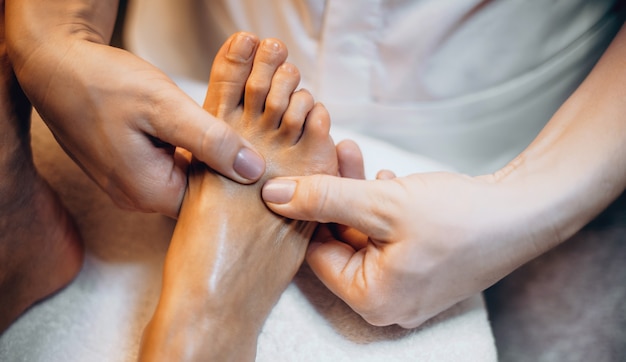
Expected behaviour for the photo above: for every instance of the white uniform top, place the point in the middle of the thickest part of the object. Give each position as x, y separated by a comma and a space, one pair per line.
466, 82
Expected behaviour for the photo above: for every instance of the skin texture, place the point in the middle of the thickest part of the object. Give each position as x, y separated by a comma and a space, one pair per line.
421, 243
40, 250
230, 257
116, 115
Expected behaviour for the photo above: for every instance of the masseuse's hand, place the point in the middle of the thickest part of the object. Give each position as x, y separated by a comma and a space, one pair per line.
115, 114
421, 243
416, 245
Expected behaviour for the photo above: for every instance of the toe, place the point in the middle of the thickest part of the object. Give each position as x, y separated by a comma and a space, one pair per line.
284, 83
316, 140
350, 160
292, 124
385, 175
231, 67
317, 124
269, 56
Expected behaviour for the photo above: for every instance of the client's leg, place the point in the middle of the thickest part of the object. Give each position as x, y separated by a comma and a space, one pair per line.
230, 257
40, 250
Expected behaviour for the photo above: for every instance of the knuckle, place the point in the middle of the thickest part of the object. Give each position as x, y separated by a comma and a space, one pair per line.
316, 197
221, 70
377, 319
305, 99
149, 191
127, 199
389, 209
375, 310
291, 123
214, 141
276, 104
375, 301
255, 85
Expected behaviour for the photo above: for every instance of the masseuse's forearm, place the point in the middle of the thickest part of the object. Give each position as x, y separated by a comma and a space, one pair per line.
576, 166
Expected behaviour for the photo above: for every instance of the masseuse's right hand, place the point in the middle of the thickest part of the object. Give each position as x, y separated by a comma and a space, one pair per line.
117, 116
404, 249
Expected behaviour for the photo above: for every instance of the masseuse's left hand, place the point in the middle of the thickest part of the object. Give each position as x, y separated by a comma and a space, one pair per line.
416, 245
121, 119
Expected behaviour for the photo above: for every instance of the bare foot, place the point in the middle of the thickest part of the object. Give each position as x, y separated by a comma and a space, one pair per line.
230, 257
40, 250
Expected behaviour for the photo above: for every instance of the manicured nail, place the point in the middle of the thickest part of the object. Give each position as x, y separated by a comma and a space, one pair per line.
278, 191
249, 164
242, 47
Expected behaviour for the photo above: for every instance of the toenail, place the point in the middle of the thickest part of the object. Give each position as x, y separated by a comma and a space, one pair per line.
272, 45
278, 191
242, 47
249, 164
286, 67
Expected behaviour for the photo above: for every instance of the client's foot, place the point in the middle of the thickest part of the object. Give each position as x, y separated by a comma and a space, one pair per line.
230, 257
40, 250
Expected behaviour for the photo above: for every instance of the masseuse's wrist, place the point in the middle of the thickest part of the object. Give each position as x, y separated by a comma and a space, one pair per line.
39, 33
543, 202
530, 210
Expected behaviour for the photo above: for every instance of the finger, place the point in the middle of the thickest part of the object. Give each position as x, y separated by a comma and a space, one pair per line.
182, 160
209, 139
385, 175
158, 182
351, 236
355, 277
365, 205
183, 154
351, 165
350, 160
327, 254
415, 322
337, 265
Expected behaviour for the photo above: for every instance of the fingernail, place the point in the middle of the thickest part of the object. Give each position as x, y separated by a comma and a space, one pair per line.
242, 47
278, 191
249, 164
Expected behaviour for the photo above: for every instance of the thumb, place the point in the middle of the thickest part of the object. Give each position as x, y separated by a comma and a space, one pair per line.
210, 140
363, 205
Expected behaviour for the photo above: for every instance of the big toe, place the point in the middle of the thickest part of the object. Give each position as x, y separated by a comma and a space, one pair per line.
231, 68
